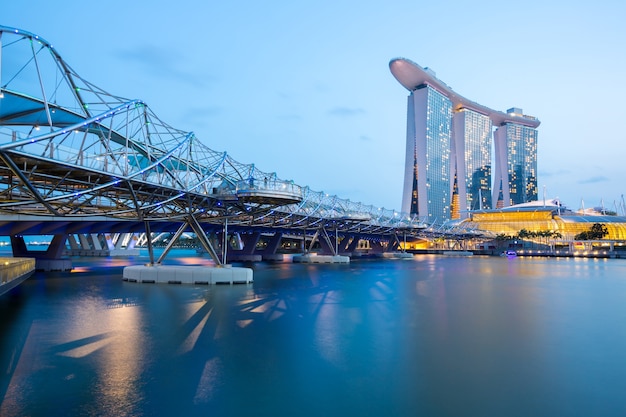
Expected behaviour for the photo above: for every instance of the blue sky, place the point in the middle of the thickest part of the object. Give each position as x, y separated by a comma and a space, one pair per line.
304, 89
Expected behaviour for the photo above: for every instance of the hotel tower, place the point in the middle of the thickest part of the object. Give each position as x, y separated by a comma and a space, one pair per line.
449, 141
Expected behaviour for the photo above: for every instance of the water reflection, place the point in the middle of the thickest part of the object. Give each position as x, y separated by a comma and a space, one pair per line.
428, 336
84, 350
209, 381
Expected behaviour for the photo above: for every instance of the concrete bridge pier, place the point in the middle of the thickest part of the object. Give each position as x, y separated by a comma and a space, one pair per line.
346, 242
329, 250
93, 244
49, 260
74, 247
156, 272
389, 248
269, 253
87, 245
376, 247
272, 246
122, 245
351, 248
246, 253
393, 243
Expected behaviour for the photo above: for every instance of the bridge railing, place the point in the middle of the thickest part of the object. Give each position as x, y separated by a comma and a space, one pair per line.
269, 185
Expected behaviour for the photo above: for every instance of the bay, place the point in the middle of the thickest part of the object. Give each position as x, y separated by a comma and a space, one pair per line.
428, 336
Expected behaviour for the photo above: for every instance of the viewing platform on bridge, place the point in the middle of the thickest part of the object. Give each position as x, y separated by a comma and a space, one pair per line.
272, 192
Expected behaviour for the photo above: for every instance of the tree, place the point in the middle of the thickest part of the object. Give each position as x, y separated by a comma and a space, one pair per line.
597, 231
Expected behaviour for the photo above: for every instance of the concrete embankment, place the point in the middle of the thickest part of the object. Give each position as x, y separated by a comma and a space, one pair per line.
13, 271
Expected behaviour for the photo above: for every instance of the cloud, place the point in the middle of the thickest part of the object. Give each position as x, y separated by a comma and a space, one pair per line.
160, 63
346, 111
201, 113
557, 173
593, 180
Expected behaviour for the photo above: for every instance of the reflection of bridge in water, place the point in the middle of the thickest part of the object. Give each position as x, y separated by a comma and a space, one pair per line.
77, 161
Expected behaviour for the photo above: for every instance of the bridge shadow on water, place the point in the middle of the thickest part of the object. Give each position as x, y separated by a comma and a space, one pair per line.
133, 348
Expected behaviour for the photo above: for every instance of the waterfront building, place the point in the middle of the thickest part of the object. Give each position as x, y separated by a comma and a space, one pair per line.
448, 165
543, 225
546, 216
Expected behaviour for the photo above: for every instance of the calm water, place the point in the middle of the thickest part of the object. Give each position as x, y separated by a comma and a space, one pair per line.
432, 336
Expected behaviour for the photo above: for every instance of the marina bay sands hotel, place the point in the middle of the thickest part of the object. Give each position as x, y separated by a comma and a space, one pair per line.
449, 150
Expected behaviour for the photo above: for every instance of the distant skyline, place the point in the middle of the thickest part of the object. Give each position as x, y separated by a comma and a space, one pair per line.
304, 89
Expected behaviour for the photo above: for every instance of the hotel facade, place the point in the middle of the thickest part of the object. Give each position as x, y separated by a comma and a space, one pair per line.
449, 142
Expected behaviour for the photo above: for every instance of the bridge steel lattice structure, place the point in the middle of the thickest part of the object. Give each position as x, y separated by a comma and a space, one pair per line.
77, 159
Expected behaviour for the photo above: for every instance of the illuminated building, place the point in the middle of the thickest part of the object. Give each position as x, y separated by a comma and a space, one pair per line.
449, 150
548, 216
516, 161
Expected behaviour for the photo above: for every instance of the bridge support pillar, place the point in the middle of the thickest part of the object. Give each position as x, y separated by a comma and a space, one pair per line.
353, 244
393, 244
48, 260
87, 245
342, 246
246, 253
376, 247
109, 241
269, 253
327, 249
83, 242
117, 248
95, 241
133, 241
249, 242
72, 242
119, 243
273, 244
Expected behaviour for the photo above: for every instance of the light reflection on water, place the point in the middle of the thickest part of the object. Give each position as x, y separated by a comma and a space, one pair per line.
432, 336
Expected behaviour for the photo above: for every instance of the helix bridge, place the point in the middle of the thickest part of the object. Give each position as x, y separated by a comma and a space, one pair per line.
75, 155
